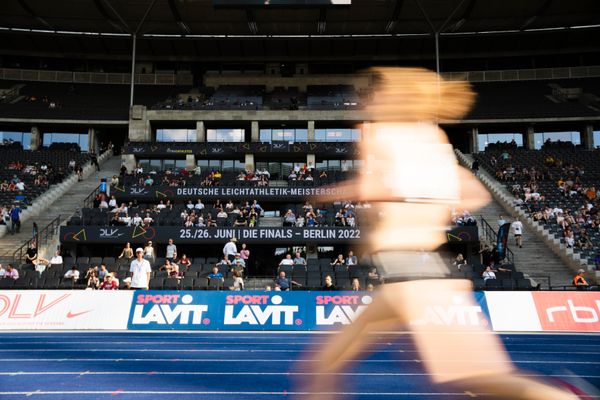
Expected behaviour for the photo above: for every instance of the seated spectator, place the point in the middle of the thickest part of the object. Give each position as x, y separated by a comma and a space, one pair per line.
222, 214
284, 284
102, 272
299, 260
238, 282
240, 220
583, 241
184, 262
488, 274
127, 252
459, 261
92, 279
338, 261
289, 219
41, 264
579, 281
351, 259
216, 274
287, 260
370, 287
56, 259
238, 259
328, 284
355, 285
109, 283
72, 274
2, 271
373, 275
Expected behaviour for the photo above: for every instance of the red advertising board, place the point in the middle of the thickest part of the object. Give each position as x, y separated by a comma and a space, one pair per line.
568, 311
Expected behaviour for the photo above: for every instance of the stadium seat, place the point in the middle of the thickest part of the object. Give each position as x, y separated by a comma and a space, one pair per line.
215, 284
171, 284
156, 283
524, 284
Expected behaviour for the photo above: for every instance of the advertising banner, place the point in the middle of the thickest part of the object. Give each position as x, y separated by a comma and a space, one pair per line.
291, 235
197, 310
64, 309
568, 311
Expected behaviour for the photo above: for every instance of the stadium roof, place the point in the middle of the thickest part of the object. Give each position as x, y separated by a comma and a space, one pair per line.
378, 28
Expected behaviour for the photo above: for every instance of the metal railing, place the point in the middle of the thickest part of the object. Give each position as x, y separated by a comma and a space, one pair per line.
88, 202
44, 236
491, 236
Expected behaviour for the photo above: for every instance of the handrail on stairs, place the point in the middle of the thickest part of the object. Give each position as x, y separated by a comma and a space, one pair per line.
491, 236
44, 236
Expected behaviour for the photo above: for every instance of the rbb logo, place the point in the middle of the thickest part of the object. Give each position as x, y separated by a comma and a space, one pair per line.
331, 310
167, 309
455, 314
568, 311
256, 310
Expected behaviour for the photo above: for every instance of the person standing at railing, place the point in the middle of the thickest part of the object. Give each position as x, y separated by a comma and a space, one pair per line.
579, 281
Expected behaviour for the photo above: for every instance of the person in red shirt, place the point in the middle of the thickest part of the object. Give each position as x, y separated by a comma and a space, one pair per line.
109, 283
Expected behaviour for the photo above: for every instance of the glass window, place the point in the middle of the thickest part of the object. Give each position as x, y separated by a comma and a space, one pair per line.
285, 135
179, 164
597, 139
12, 136
168, 164
176, 135
225, 135
337, 135
155, 165
542, 137
79, 138
491, 138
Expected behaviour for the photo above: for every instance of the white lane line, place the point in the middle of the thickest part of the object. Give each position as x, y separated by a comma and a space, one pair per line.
210, 373
254, 360
179, 349
283, 393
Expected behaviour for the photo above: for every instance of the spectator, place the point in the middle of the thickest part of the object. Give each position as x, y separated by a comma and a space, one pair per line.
370, 287
171, 250
328, 284
15, 219
2, 271
339, 261
31, 254
488, 274
459, 261
287, 260
355, 285
102, 272
216, 274
597, 261
299, 260
149, 253
517, 227
72, 274
230, 249
284, 284
140, 270
239, 260
92, 279
289, 219
579, 281
351, 259
109, 283
238, 282
11, 272
127, 252
185, 262
56, 259
40, 265
245, 254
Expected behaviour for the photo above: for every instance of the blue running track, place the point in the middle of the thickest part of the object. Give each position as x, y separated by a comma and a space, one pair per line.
244, 365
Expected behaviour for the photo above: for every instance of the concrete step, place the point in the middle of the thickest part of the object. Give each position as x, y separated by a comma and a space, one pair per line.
64, 205
536, 259
271, 222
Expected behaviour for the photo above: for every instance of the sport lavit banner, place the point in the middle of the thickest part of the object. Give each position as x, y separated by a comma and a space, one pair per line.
293, 311
64, 309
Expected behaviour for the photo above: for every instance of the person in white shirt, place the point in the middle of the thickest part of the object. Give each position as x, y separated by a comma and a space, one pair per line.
73, 274
137, 220
20, 186
488, 274
56, 259
287, 260
230, 249
199, 205
517, 226
161, 205
140, 271
112, 202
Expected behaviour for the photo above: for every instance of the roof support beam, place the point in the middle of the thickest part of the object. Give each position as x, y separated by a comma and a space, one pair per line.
252, 26
102, 10
322, 23
30, 11
177, 16
389, 27
124, 24
545, 5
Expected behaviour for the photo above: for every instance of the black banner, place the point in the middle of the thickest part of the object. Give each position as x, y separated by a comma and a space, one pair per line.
150, 193
35, 237
144, 149
292, 235
501, 241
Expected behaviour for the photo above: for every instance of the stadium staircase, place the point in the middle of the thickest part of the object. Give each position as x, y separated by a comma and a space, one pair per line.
538, 258
63, 199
